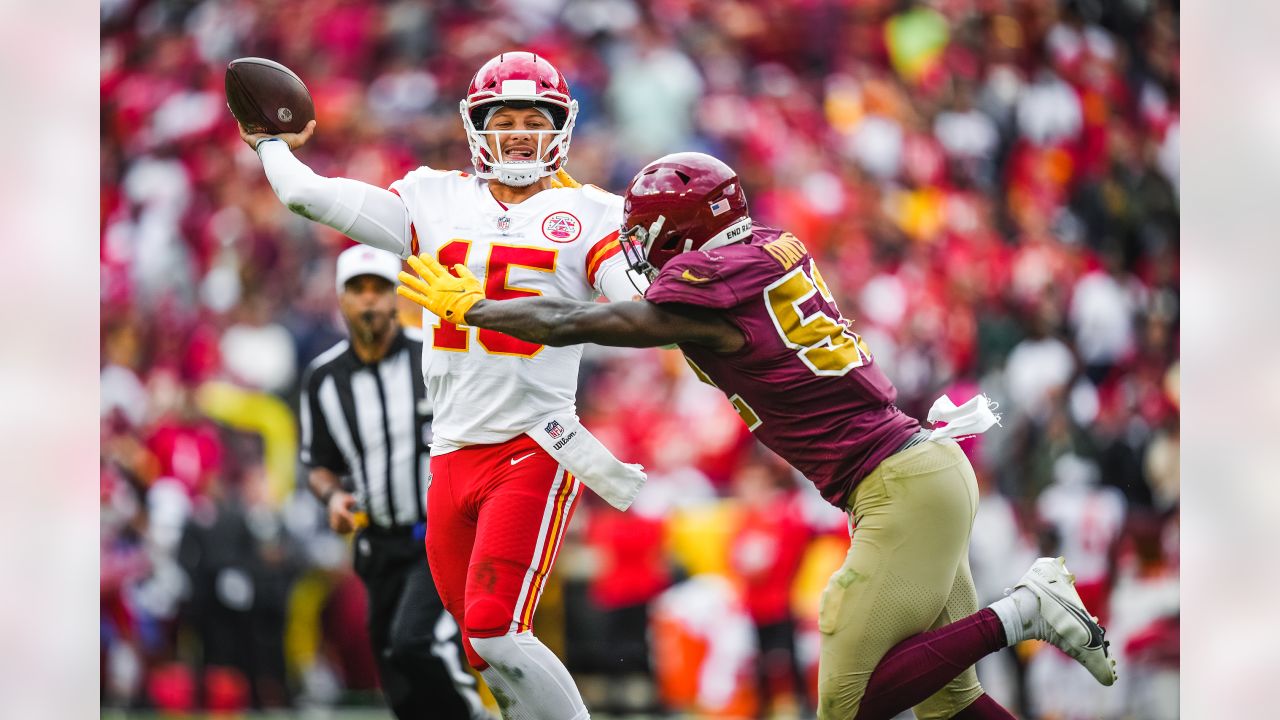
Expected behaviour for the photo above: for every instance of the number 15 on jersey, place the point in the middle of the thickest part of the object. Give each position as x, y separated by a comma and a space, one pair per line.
449, 336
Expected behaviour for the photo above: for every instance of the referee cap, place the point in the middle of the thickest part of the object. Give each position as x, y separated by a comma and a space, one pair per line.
364, 260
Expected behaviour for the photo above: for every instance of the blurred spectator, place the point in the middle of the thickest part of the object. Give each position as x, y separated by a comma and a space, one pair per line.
1104, 309
967, 134
1144, 626
1039, 368
1087, 520
703, 648
652, 90
766, 551
185, 445
1162, 465
240, 565
258, 352
632, 571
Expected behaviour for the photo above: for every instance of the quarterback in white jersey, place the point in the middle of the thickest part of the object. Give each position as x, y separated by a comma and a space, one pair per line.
563, 242
498, 501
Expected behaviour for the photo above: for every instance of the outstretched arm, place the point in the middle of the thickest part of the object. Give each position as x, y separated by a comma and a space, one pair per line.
365, 213
560, 321
459, 298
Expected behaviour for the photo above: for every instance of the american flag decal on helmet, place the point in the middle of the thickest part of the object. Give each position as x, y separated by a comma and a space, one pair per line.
719, 206
554, 429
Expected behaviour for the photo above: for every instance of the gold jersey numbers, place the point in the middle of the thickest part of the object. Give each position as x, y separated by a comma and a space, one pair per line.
823, 342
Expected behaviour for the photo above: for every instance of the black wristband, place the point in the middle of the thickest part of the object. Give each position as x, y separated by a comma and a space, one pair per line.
258, 145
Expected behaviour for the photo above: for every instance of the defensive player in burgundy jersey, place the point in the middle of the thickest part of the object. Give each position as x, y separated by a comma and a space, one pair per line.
828, 409
503, 483
751, 312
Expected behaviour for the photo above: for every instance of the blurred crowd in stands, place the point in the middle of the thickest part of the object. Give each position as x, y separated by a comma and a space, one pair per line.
991, 187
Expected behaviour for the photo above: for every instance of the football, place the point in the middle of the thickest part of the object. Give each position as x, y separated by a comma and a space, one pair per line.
267, 97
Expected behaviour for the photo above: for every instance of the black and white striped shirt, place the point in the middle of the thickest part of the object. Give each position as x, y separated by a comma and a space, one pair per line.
372, 423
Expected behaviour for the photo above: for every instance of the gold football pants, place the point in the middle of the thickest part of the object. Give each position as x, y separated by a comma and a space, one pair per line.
907, 571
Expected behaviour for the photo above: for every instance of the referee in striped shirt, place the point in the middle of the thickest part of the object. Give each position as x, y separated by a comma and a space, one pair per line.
365, 416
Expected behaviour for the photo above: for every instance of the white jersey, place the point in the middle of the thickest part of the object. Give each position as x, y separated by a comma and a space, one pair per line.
488, 387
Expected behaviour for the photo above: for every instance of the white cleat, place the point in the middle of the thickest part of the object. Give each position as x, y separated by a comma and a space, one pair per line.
1067, 624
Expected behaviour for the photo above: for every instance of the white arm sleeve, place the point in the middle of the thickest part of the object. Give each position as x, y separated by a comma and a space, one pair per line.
617, 282
361, 211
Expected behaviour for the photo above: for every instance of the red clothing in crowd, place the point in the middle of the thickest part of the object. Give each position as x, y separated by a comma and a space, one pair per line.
189, 452
766, 554
632, 568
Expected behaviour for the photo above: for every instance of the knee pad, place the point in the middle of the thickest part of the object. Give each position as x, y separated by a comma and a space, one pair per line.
494, 649
486, 617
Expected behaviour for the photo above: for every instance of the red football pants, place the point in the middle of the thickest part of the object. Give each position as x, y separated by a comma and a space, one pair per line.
495, 517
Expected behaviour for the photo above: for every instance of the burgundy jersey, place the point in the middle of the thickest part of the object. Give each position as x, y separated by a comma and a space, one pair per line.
804, 382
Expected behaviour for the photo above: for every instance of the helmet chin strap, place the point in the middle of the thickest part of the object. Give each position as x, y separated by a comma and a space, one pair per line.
651, 235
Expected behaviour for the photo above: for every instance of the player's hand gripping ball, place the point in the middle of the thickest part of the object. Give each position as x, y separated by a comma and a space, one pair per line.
435, 289
267, 97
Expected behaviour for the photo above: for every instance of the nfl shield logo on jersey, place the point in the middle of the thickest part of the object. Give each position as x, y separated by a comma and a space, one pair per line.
561, 227
504, 224
554, 429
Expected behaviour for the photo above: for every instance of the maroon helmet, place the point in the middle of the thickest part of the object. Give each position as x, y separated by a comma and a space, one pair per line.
681, 202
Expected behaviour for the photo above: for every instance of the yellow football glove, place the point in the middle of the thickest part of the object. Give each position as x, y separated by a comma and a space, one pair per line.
436, 290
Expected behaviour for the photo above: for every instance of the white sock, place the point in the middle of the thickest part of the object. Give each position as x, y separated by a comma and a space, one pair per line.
532, 676
1019, 612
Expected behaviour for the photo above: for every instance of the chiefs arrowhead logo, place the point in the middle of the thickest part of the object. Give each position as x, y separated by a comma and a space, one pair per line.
561, 227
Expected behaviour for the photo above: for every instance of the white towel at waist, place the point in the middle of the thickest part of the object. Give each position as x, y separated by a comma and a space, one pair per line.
972, 418
574, 447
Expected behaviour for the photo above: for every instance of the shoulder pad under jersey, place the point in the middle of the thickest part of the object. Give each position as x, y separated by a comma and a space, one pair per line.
601, 196
727, 276
709, 279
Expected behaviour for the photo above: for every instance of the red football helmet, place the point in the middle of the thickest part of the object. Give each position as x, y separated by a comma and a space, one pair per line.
681, 202
522, 80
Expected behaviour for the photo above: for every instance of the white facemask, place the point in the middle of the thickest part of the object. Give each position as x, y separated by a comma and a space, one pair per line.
519, 173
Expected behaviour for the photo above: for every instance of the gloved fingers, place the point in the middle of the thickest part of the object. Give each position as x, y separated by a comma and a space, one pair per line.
426, 266
417, 297
414, 282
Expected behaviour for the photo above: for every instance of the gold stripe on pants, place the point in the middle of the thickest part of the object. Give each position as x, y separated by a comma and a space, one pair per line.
907, 571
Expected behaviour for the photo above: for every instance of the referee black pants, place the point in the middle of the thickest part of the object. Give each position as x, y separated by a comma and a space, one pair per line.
416, 643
